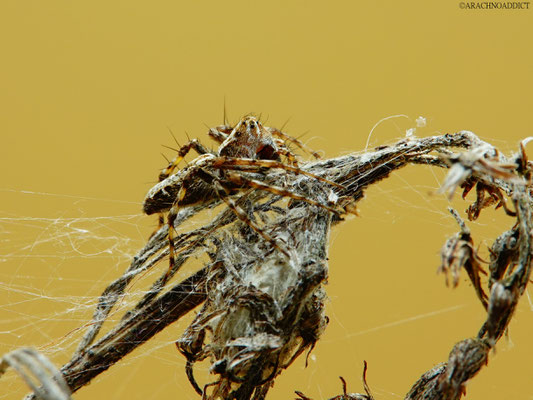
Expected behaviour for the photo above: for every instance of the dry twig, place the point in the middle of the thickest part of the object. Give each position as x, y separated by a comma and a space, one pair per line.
262, 309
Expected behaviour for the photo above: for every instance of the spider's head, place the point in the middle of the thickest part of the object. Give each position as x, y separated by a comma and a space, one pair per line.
244, 140
250, 126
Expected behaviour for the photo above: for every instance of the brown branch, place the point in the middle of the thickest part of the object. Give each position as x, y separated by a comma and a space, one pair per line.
280, 299
135, 330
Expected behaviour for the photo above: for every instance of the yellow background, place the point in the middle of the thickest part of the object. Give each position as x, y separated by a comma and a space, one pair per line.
88, 90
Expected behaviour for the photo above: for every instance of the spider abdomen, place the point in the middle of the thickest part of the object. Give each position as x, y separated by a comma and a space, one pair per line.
161, 197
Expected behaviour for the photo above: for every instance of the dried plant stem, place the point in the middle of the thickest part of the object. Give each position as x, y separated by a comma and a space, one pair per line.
135, 330
291, 315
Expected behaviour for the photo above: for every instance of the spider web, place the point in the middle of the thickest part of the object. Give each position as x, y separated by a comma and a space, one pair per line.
55, 266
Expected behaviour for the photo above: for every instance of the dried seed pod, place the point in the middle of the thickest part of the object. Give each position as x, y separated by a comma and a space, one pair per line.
503, 255
458, 252
503, 299
466, 359
482, 161
426, 387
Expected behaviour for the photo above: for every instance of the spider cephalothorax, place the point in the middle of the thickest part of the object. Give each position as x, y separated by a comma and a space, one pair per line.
249, 139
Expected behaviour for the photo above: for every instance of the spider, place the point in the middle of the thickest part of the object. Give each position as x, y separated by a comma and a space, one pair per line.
214, 175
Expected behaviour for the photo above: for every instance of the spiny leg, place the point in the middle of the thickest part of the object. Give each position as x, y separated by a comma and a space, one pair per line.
288, 138
220, 133
232, 163
172, 214
242, 181
223, 193
282, 149
182, 152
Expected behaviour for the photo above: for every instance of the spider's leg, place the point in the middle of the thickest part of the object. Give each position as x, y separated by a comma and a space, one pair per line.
172, 214
242, 181
290, 139
224, 194
232, 163
220, 133
282, 149
182, 152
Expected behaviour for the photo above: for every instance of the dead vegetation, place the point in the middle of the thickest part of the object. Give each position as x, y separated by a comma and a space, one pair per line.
262, 307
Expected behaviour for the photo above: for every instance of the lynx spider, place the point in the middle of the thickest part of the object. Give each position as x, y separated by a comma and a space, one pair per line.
249, 146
